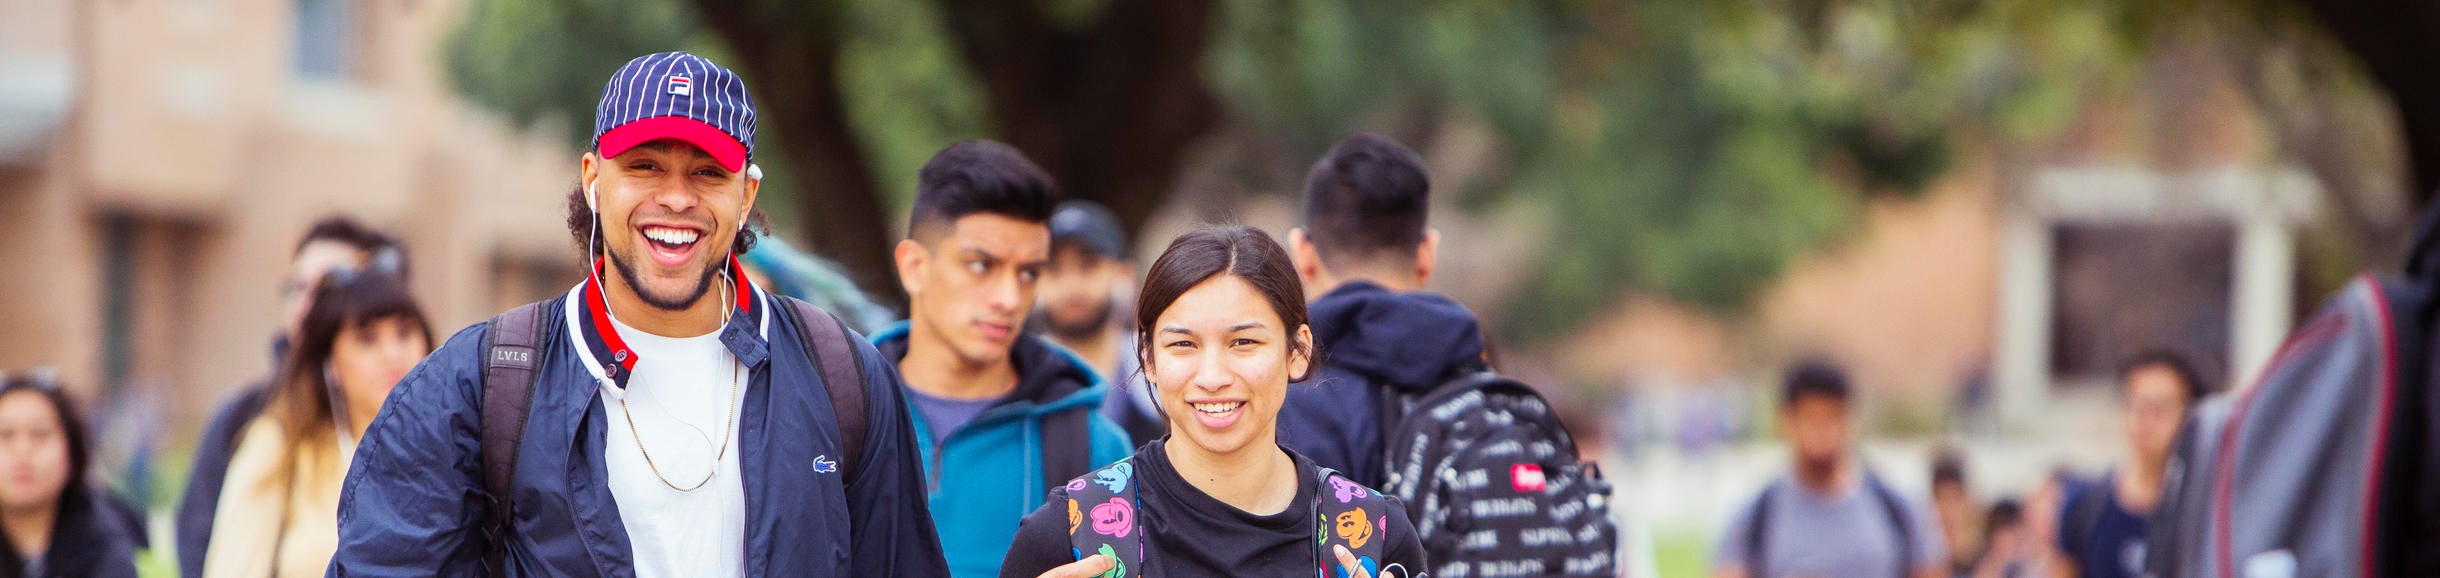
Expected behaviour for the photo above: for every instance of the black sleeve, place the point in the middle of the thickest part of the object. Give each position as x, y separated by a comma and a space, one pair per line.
1042, 540
193, 527
893, 533
1406, 547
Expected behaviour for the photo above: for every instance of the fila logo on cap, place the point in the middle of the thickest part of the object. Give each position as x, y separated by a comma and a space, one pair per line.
681, 86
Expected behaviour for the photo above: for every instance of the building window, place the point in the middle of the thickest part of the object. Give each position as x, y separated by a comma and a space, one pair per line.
2123, 288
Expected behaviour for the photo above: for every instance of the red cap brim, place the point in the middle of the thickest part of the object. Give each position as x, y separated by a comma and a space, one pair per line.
724, 148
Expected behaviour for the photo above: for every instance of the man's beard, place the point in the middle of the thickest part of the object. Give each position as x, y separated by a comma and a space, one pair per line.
702, 284
1093, 322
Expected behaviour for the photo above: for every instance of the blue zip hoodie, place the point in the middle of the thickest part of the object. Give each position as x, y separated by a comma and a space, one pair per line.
1371, 338
987, 475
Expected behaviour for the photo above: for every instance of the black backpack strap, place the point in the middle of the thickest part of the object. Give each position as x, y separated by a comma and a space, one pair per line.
1102, 518
512, 348
1354, 516
833, 351
1758, 532
1067, 445
1904, 529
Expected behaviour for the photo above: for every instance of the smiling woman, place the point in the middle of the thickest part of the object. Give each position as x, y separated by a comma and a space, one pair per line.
1222, 328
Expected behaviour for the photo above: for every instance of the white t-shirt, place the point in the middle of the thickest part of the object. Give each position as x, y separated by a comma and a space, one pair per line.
679, 396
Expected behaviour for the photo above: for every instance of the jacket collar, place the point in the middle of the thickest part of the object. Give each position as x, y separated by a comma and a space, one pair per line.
608, 356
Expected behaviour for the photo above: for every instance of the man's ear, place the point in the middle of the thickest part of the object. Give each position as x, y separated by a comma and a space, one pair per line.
588, 174
911, 257
753, 190
1308, 260
1427, 256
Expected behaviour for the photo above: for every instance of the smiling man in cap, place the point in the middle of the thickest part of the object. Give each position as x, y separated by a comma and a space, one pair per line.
665, 417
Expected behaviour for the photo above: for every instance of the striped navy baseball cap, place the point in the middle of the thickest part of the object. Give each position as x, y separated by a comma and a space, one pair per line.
675, 95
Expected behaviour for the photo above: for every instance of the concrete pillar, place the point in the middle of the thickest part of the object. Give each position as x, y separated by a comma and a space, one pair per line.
2020, 367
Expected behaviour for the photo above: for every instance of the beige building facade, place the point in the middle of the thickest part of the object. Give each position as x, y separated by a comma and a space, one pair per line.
159, 158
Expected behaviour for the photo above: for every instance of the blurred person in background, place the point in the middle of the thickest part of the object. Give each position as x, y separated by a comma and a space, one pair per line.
277, 514
333, 243
57, 523
2103, 527
1829, 516
1953, 505
1081, 294
1000, 416
2006, 545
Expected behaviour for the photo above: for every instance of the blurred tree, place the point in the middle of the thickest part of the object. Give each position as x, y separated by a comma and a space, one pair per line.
1686, 148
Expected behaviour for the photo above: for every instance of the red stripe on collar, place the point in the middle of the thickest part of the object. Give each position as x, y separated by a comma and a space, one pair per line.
598, 308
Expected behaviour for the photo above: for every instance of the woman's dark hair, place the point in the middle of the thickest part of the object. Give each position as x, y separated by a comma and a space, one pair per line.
1200, 255
2188, 378
80, 454
345, 298
580, 227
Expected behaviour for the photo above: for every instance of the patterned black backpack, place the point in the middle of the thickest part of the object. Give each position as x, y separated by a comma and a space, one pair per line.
1491, 479
1101, 508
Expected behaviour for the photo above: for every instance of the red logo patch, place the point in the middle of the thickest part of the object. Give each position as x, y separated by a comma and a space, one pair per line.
1527, 477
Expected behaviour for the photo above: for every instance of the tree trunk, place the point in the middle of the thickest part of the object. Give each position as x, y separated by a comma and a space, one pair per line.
1108, 107
2397, 42
791, 50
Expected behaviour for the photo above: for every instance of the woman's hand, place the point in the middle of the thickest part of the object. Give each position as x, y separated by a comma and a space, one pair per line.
1097, 564
1347, 560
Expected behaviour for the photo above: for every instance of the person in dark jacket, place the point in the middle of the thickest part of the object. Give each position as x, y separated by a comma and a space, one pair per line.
333, 243
55, 522
996, 411
677, 426
1082, 292
1365, 255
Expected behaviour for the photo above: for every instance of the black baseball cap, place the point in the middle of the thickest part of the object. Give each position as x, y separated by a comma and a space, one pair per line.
1091, 226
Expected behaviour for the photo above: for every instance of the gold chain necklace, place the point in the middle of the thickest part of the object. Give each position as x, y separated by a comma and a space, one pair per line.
734, 370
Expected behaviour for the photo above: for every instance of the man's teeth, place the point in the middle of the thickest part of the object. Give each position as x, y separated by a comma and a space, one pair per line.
1218, 407
670, 236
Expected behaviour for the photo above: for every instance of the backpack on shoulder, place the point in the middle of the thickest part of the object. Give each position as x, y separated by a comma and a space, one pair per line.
2325, 466
1102, 507
1490, 477
519, 340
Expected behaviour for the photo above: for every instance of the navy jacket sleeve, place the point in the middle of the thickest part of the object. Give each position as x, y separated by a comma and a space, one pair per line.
413, 504
893, 534
202, 498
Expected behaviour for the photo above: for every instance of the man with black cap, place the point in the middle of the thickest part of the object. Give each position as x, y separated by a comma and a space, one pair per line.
665, 417
1080, 292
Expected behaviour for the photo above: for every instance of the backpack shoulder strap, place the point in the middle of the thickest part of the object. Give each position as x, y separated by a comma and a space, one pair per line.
833, 351
1758, 532
2083, 517
511, 349
1354, 516
1102, 518
1067, 445
1899, 524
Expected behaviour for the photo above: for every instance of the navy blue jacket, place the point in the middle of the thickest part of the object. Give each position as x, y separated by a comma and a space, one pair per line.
1372, 339
414, 500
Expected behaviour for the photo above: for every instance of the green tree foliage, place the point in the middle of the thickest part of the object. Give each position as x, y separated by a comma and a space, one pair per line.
1688, 148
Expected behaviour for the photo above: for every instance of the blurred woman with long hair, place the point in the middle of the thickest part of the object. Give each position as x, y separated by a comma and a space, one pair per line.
278, 512
55, 521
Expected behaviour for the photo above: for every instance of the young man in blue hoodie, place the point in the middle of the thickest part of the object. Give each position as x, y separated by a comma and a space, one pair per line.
1365, 256
999, 416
